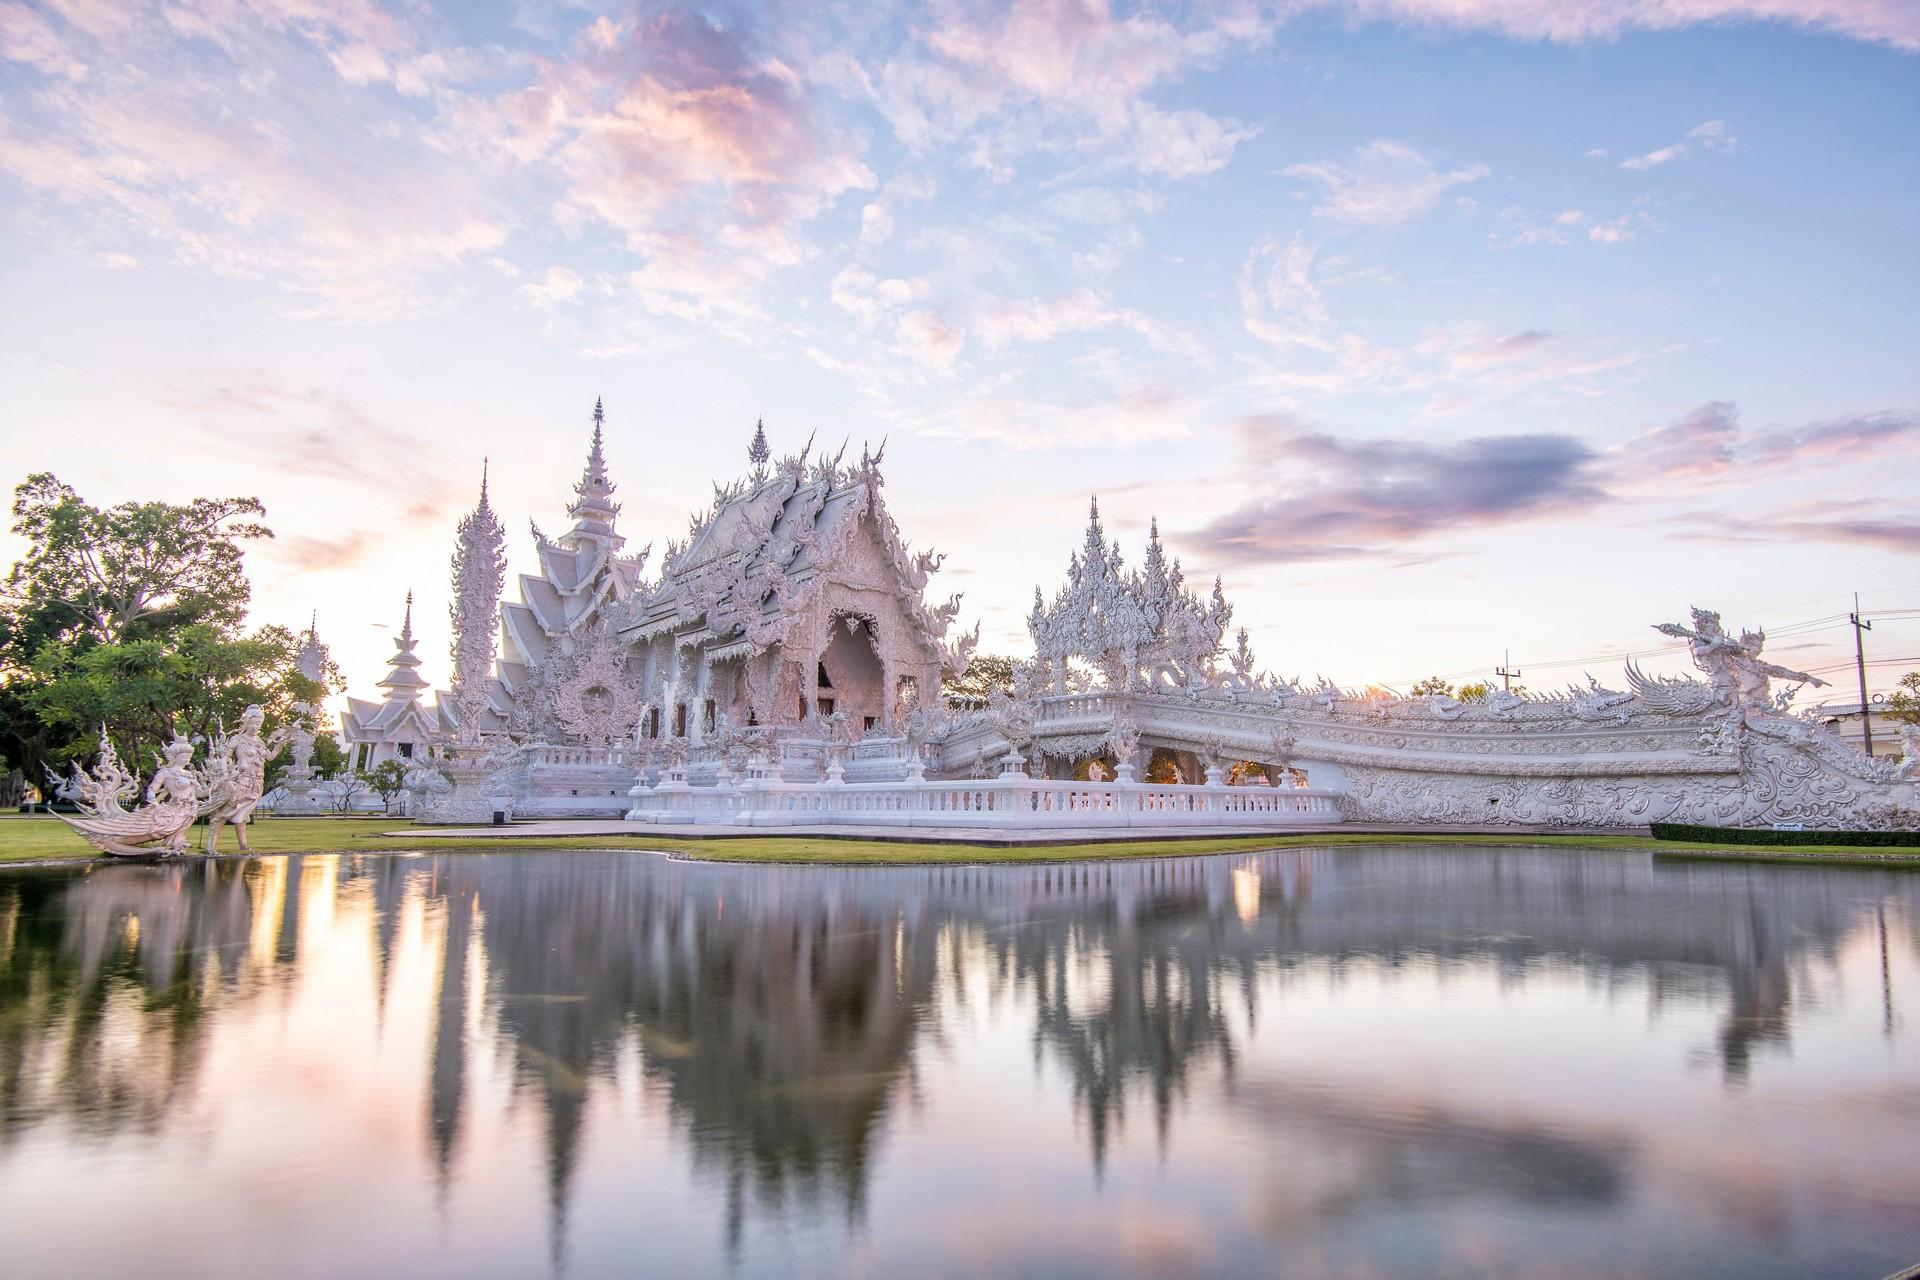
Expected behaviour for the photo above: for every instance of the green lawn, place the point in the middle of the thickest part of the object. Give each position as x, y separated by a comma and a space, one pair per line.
39, 839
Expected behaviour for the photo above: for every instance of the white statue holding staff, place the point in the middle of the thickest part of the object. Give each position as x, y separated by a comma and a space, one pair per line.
237, 774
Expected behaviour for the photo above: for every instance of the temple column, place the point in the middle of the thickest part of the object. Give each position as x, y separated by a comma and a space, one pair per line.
697, 700
810, 686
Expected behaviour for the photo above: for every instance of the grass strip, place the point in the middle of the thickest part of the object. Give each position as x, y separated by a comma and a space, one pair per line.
31, 839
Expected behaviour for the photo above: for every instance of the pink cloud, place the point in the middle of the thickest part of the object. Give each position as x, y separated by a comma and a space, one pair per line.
1709, 441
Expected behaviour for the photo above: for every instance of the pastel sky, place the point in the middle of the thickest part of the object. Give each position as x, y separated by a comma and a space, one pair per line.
1439, 327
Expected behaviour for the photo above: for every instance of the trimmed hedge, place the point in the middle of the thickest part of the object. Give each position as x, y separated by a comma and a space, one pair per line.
1767, 835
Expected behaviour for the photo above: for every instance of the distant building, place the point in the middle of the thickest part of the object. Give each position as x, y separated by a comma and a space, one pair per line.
400, 726
1847, 723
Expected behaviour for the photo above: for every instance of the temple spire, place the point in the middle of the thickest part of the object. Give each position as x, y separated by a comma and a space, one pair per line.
593, 508
479, 573
403, 680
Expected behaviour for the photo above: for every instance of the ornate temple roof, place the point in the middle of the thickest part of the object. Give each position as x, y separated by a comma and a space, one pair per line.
402, 714
581, 571
751, 562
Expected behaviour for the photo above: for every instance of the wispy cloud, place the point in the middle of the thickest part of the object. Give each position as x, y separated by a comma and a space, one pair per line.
1712, 135
1575, 21
215, 133
1382, 184
1895, 529
1033, 75
333, 438
1038, 320
1709, 442
1458, 366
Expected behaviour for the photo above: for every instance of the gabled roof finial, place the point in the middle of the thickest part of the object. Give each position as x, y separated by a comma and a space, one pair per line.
758, 452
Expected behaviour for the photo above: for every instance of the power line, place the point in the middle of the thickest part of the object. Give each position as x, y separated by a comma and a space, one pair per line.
1806, 626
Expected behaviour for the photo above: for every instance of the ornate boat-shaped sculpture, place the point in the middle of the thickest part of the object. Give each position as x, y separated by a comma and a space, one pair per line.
157, 828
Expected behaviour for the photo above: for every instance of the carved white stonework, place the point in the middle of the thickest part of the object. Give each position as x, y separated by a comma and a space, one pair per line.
786, 643
157, 828
236, 776
595, 701
479, 575
297, 780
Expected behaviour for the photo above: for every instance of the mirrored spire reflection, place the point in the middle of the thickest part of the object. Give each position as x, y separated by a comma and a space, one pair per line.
1421, 1061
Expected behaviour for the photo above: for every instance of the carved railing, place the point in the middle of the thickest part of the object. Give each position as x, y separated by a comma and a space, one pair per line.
1009, 801
545, 753
1080, 706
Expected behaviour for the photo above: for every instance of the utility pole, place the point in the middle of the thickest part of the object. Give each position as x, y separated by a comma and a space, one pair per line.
1504, 671
1860, 664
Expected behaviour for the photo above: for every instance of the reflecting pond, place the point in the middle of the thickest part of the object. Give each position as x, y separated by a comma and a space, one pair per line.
1383, 1062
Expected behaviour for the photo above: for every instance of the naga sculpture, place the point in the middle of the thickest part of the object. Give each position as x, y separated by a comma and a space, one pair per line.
157, 828
108, 789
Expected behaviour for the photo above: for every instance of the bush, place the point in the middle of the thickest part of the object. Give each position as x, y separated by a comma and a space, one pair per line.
1767, 835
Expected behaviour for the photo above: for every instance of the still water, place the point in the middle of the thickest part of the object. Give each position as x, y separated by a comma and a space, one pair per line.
1418, 1062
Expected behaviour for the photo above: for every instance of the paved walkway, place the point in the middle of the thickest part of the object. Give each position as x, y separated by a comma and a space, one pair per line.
986, 837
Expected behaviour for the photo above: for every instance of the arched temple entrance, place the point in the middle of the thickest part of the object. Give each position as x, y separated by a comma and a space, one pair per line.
852, 680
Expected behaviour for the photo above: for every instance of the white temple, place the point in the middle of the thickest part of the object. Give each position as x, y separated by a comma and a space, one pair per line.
401, 725
783, 669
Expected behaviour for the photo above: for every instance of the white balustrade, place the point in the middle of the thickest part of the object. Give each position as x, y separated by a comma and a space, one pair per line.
1010, 801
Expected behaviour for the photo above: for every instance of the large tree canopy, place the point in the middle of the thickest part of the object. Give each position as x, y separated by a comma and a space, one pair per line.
132, 617
105, 570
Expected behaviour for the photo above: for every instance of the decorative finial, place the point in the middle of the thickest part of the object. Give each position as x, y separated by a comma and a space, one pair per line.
406, 626
483, 480
758, 452
599, 410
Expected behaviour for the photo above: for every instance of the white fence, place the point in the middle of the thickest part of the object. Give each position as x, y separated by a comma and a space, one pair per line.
1015, 802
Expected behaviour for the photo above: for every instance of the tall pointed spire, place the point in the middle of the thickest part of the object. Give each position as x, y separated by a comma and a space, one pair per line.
479, 574
403, 680
593, 508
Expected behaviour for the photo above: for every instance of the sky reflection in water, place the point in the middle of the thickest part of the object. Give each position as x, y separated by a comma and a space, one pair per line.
1351, 1063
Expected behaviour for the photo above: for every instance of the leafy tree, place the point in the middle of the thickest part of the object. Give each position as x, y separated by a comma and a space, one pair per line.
103, 571
131, 617
1903, 704
1432, 685
985, 672
388, 779
1480, 690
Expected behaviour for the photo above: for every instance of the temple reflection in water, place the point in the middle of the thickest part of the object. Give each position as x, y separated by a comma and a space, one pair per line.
1309, 1017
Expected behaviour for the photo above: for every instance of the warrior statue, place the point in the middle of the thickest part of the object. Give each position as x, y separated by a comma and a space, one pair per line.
1732, 665
157, 828
236, 776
